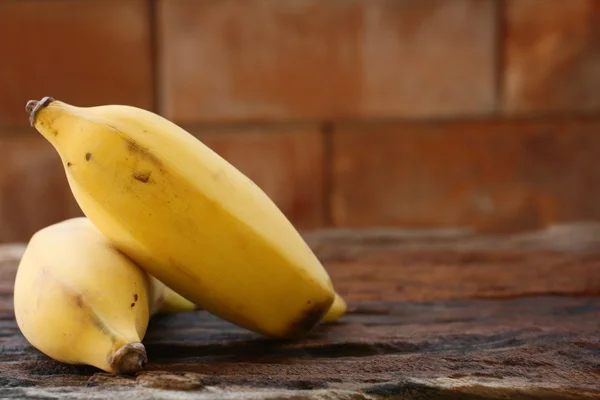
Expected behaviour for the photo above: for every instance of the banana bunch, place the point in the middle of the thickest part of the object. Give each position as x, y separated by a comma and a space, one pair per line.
165, 205
81, 301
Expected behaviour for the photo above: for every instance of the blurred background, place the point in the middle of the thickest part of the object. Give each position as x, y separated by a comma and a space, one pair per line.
480, 114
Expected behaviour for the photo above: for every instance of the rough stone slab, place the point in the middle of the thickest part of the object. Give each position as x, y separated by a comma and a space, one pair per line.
419, 340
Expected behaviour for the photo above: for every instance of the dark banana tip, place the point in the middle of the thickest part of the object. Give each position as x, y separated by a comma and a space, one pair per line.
129, 359
34, 106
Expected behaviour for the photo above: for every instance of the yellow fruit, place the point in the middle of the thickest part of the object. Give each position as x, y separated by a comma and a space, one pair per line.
80, 301
170, 301
187, 216
337, 310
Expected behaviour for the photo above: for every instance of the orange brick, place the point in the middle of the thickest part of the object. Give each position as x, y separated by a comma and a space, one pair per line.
83, 52
286, 162
493, 176
238, 60
552, 60
34, 191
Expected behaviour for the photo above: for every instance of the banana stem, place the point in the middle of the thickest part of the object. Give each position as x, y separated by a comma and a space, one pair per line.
33, 107
129, 359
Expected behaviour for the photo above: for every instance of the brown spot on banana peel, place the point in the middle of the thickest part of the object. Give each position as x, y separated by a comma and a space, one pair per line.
134, 148
142, 176
33, 107
88, 156
79, 301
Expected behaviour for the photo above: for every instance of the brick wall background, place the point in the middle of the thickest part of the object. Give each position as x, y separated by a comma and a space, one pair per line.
349, 113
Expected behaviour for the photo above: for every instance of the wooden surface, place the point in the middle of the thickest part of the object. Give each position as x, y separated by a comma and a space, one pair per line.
440, 314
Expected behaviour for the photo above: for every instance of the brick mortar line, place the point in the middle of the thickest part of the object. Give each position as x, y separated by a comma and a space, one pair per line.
281, 126
273, 126
277, 126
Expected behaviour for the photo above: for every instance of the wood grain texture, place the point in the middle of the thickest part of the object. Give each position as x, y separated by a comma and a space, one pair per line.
446, 345
534, 348
428, 265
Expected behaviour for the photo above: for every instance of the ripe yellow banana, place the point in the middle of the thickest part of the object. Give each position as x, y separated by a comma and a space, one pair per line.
337, 310
168, 301
187, 216
80, 301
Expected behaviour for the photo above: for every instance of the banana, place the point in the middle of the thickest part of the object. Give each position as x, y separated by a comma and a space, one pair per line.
337, 310
187, 216
80, 301
169, 302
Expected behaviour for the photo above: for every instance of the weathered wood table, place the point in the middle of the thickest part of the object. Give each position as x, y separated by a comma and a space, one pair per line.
441, 314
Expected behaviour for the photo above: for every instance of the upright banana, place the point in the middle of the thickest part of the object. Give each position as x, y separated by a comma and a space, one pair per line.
187, 216
80, 301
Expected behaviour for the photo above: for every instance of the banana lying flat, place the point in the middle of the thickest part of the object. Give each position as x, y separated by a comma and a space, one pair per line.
80, 301
187, 216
